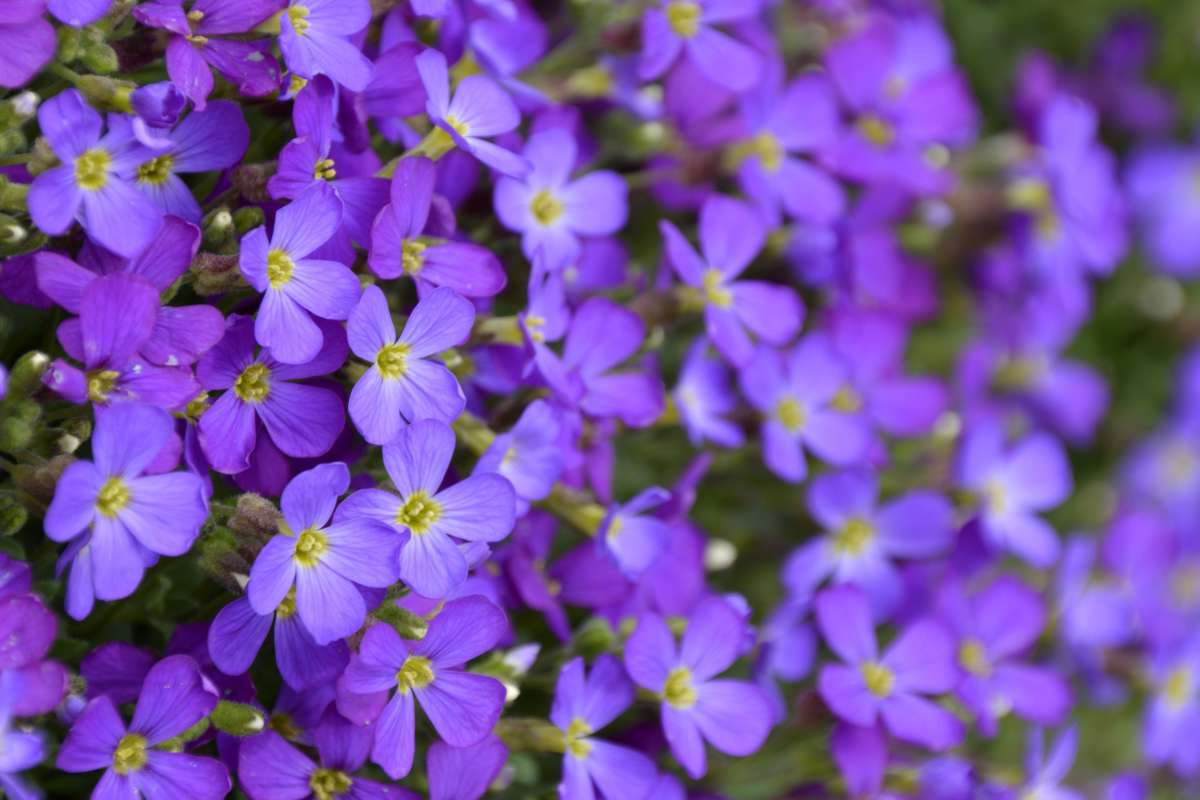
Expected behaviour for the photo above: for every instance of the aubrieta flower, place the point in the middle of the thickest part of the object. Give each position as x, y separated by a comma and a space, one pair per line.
862, 537
1161, 181
260, 393
479, 110
314, 36
93, 184
464, 773
798, 395
462, 705
173, 698
30, 683
404, 382
297, 287
196, 44
156, 107
704, 396
27, 42
582, 706
687, 26
633, 538
22, 749
480, 508
733, 716
1013, 483
551, 211
731, 235
995, 630
117, 518
1045, 774
529, 455
869, 686
325, 562
406, 241
1172, 717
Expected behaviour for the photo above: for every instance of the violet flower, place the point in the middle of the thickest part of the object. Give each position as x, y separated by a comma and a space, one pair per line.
462, 706
464, 773
314, 36
704, 396
27, 42
687, 26
1045, 774
529, 455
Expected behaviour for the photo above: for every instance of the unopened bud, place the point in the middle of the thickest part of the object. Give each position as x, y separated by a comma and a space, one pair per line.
217, 227
69, 40
595, 636
105, 93
256, 518
214, 273
13, 515
18, 426
25, 378
406, 623
100, 58
251, 181
247, 218
237, 719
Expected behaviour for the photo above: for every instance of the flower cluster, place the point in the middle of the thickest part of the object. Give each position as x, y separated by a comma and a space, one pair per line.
680, 398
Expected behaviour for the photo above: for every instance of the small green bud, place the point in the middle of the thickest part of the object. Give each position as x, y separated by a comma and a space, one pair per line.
217, 227
16, 430
99, 58
26, 375
11, 231
79, 427
69, 40
256, 518
247, 218
177, 743
13, 515
220, 559
595, 636
12, 141
42, 158
406, 623
237, 719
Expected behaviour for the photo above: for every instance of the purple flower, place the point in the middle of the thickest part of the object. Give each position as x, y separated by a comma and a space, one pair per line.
530, 455
861, 755
869, 686
862, 537
403, 240
633, 538
1013, 484
687, 25
479, 110
27, 42
194, 46
464, 773
994, 630
78, 13
584, 705
172, 699
731, 235
551, 211
404, 383
303, 420
704, 396
462, 706
324, 562
22, 749
1044, 776
306, 161
207, 140
314, 36
295, 286
732, 716
271, 769
93, 184
797, 393
1172, 717
602, 335
34, 684
480, 508
156, 107
1162, 192
117, 518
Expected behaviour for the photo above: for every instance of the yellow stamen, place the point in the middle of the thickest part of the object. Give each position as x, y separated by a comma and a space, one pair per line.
854, 537
310, 546
847, 400
100, 384
392, 360
790, 414
684, 17
195, 15
156, 171
714, 289
546, 208
419, 512
113, 496
876, 131
130, 755
415, 673
299, 19
412, 256
92, 168
769, 151
254, 384
1180, 687
327, 784
678, 691
279, 268
576, 738
323, 170
287, 606
973, 657
879, 679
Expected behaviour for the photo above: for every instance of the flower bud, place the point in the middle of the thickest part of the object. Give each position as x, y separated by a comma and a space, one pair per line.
13, 515
237, 719
99, 58
247, 218
406, 623
26, 375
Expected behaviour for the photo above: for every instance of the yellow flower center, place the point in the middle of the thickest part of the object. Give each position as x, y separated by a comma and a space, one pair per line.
576, 738
195, 15
196, 407
92, 168
769, 151
412, 256
678, 690
1029, 194
130, 755
100, 384
299, 19
392, 360
684, 17
546, 208
419, 512
287, 606
847, 400
323, 170
156, 171
113, 496
254, 384
714, 289
415, 673
310, 546
854, 537
790, 414
295, 84
876, 131
995, 497
326, 784
879, 679
279, 268
973, 658
1180, 687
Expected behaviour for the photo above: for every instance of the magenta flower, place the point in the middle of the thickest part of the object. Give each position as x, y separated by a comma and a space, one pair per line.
295, 286
93, 184
479, 110
462, 706
731, 235
687, 26
117, 518
404, 383
732, 716
584, 705
551, 211
868, 686
323, 562
262, 395
314, 36
172, 699
480, 508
